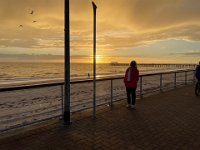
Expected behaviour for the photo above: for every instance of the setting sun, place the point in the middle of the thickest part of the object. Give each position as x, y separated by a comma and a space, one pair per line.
99, 58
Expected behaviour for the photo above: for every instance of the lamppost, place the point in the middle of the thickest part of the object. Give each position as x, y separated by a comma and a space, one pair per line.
94, 61
66, 115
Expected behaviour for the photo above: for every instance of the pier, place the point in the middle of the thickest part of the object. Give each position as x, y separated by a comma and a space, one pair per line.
169, 65
168, 120
157, 65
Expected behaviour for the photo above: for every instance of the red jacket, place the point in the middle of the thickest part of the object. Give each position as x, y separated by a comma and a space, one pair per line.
131, 82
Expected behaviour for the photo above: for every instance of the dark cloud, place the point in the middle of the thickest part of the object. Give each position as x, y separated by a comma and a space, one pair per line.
30, 58
117, 40
193, 54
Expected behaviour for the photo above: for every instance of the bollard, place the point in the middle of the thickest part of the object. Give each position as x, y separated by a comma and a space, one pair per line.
161, 82
141, 94
111, 92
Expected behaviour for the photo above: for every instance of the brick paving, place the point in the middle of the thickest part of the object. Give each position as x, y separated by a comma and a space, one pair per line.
166, 121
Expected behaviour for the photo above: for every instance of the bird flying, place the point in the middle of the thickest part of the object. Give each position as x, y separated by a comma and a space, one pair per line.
20, 26
31, 12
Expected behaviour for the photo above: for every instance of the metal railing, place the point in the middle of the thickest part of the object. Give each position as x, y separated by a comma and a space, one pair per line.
112, 88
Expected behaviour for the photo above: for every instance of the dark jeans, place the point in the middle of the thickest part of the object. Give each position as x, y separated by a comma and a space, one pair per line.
131, 95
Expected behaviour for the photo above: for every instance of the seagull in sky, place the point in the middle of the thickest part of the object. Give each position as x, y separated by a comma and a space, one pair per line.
31, 12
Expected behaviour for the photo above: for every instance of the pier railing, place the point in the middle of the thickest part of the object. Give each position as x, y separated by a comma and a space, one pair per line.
28, 104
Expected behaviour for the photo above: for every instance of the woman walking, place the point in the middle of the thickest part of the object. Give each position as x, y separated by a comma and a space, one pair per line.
130, 80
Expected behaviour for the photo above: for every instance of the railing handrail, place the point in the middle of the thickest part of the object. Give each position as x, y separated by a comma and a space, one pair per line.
29, 86
109, 100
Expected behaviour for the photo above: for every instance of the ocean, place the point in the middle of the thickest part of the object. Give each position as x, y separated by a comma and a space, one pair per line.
11, 73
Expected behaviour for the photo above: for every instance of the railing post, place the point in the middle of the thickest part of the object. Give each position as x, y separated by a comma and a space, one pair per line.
194, 76
62, 102
174, 79
111, 92
141, 93
185, 77
161, 82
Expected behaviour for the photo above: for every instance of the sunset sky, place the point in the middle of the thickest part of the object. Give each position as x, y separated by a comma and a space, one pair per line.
148, 31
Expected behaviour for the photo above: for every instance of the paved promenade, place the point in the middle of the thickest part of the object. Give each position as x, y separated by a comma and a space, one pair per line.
166, 121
